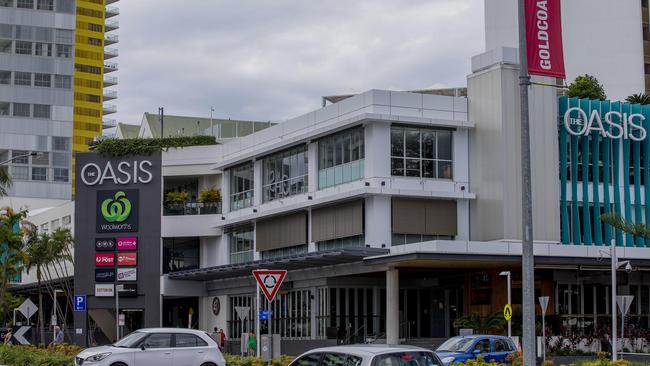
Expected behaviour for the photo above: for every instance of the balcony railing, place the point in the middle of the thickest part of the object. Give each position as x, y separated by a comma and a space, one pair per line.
108, 123
110, 53
111, 25
110, 67
112, 11
111, 39
110, 81
111, 1
109, 108
110, 94
191, 208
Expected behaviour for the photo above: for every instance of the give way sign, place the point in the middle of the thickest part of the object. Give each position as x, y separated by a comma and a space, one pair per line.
269, 281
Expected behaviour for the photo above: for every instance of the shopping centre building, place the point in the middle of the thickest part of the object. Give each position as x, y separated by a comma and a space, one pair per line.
394, 213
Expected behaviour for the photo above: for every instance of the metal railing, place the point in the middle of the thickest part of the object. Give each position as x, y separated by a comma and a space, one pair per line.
110, 80
108, 123
109, 108
111, 38
110, 52
112, 11
111, 25
110, 94
191, 208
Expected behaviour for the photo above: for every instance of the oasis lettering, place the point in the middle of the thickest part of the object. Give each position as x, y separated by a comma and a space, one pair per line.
127, 172
630, 125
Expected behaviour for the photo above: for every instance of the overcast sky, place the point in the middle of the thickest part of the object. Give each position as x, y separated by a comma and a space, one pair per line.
273, 60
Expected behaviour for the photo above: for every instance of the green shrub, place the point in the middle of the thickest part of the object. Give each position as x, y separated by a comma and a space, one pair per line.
60, 355
233, 360
115, 148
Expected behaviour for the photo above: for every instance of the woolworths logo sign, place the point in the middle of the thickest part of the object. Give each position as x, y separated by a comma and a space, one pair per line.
117, 211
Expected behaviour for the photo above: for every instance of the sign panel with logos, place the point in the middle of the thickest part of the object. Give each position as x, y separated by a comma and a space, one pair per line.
127, 274
127, 259
104, 259
105, 244
128, 290
117, 211
104, 290
105, 275
127, 243
544, 38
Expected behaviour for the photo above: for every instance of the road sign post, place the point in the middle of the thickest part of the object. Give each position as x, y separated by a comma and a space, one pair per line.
624, 303
507, 312
543, 303
269, 281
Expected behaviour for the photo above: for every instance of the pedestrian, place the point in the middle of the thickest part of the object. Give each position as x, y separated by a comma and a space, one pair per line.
58, 335
252, 344
222, 338
8, 336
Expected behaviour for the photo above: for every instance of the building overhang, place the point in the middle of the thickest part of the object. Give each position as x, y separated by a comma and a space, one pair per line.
296, 262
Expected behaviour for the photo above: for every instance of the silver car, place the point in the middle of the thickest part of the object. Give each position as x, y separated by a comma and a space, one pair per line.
156, 347
368, 355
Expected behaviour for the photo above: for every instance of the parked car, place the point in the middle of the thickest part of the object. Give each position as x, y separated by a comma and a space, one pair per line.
156, 347
462, 348
368, 355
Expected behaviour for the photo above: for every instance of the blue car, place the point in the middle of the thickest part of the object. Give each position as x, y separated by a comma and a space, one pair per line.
462, 348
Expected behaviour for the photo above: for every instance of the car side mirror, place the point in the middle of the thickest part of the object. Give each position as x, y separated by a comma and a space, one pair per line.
142, 347
476, 351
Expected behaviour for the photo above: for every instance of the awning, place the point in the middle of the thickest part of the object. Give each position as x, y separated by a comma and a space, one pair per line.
301, 261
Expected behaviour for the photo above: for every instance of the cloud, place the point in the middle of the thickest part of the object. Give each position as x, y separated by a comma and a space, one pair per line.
273, 60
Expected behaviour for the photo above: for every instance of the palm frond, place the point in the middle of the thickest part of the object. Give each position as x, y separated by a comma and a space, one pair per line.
5, 180
626, 226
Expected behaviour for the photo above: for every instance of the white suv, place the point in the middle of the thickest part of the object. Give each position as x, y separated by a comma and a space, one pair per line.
156, 347
368, 355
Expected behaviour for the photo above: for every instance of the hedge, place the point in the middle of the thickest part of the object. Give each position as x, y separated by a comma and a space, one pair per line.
59, 355
115, 148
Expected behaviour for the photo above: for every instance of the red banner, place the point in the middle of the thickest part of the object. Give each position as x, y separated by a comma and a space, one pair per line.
544, 38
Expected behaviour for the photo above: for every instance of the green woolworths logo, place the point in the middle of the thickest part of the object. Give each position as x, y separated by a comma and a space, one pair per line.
116, 209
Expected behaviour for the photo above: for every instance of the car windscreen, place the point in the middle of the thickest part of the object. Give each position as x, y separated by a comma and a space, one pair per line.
131, 341
456, 344
407, 359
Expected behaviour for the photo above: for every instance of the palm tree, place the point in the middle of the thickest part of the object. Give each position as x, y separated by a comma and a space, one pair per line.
640, 98
5, 181
628, 227
38, 255
12, 255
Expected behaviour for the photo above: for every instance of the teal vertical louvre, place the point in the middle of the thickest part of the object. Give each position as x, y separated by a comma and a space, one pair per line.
627, 195
564, 210
584, 161
575, 213
607, 150
595, 172
636, 148
645, 110
616, 166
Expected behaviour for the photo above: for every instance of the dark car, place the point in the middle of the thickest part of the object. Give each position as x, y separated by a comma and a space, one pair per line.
462, 348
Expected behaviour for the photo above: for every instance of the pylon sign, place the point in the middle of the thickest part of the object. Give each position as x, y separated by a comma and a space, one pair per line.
269, 281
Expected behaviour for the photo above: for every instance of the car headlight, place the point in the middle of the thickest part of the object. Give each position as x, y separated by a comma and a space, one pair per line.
447, 360
98, 357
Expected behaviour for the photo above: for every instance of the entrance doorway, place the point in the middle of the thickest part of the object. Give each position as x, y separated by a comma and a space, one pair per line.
179, 312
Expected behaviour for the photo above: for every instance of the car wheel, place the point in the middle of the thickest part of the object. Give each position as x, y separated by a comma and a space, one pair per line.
208, 364
118, 364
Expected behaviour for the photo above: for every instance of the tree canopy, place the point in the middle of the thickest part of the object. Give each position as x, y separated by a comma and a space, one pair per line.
587, 86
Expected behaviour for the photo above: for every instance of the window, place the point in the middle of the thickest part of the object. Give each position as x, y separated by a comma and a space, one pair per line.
401, 239
341, 158
5, 77
7, 3
62, 81
63, 50
65, 6
23, 78
21, 110
357, 241
66, 221
55, 224
353, 361
41, 158
407, 359
45, 5
45, 228
43, 34
44, 80
241, 246
5, 46
502, 346
43, 49
61, 175
95, 27
483, 345
285, 174
308, 360
23, 159
20, 172
284, 252
189, 340
158, 340
180, 254
4, 108
423, 153
241, 186
94, 41
39, 173
333, 359
64, 36
42, 111
61, 143
25, 4
6, 31
23, 48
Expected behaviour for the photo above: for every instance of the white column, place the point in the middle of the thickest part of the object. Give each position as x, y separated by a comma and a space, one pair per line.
377, 150
378, 221
392, 306
225, 192
312, 166
257, 182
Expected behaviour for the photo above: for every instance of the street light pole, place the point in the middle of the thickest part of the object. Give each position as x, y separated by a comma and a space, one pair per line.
612, 255
527, 258
507, 274
211, 124
33, 153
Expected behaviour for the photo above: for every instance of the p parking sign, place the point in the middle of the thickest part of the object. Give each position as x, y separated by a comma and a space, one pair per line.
79, 302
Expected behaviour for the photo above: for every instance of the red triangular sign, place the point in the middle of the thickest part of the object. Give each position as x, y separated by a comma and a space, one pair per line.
269, 280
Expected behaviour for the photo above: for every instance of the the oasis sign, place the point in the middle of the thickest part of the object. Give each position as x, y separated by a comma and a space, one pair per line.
620, 125
122, 173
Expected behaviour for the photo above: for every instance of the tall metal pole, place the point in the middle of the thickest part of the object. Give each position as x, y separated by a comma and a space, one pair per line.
211, 125
527, 260
509, 303
117, 313
161, 117
257, 322
613, 302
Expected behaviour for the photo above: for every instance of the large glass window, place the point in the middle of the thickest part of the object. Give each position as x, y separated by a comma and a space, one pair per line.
23, 78
4, 108
284, 252
5, 45
43, 80
241, 186
423, 153
42, 111
39, 173
5, 77
62, 81
285, 174
341, 158
22, 110
357, 241
241, 245
23, 48
180, 254
25, 4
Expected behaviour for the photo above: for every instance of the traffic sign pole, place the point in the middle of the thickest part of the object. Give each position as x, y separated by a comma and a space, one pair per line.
257, 323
